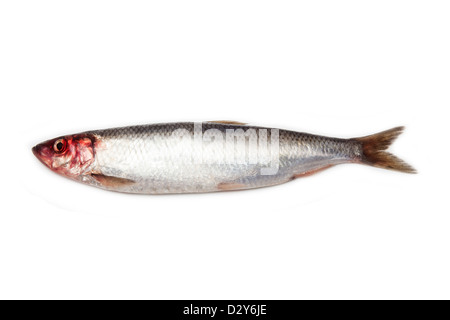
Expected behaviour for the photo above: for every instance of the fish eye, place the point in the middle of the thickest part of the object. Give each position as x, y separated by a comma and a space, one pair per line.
60, 145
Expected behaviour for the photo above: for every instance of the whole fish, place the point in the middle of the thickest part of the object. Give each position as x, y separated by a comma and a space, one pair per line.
206, 157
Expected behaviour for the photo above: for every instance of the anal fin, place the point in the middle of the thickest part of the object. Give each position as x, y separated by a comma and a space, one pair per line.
311, 172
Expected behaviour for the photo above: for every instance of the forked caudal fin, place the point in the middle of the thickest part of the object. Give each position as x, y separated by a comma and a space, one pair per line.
374, 153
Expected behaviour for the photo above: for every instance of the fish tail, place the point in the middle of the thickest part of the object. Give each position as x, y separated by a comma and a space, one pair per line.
374, 154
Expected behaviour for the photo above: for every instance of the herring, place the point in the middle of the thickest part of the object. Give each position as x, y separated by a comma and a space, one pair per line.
188, 157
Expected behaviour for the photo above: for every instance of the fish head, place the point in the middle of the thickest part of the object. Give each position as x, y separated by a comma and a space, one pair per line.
70, 156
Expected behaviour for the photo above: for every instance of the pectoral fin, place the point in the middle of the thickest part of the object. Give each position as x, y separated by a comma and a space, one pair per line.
111, 181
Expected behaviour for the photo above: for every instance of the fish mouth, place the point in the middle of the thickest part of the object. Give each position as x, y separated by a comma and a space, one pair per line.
39, 152
35, 151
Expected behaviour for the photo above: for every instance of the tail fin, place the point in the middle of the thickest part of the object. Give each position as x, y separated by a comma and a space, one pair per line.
373, 147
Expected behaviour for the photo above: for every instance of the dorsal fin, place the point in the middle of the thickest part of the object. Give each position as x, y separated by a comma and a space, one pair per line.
228, 122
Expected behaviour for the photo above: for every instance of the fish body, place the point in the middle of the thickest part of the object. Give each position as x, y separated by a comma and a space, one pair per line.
191, 157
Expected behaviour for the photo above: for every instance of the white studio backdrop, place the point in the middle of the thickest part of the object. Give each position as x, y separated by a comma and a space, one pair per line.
337, 68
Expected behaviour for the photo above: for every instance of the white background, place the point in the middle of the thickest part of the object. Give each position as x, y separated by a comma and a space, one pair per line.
338, 68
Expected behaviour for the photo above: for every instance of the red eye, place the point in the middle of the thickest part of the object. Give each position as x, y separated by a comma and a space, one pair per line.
60, 145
